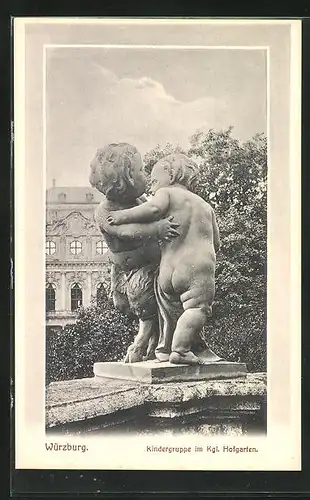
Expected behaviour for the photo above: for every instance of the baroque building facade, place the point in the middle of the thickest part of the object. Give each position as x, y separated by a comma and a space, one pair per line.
77, 267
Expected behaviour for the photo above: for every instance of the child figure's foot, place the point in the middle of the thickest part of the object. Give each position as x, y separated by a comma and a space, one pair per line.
162, 356
187, 358
134, 354
150, 355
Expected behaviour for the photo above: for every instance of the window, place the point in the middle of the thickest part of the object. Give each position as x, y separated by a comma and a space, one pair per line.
75, 247
101, 294
76, 296
101, 247
50, 297
50, 247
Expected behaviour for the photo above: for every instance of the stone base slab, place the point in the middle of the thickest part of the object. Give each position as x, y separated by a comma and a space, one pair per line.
154, 372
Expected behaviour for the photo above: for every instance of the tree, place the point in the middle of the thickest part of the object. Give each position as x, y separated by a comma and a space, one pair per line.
232, 174
159, 152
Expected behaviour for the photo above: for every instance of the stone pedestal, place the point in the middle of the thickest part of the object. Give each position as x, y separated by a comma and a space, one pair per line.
230, 406
154, 372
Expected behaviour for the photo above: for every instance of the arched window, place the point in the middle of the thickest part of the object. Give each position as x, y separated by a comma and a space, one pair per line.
50, 297
50, 247
75, 247
101, 247
101, 294
76, 296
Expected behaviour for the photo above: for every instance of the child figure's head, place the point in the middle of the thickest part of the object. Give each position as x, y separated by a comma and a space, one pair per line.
174, 169
117, 171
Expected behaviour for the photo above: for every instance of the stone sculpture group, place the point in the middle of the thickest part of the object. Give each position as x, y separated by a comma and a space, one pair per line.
162, 250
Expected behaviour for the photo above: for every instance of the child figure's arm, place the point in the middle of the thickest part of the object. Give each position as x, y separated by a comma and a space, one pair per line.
147, 212
216, 233
162, 229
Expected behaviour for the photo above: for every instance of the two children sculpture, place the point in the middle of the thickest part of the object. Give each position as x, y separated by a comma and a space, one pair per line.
162, 251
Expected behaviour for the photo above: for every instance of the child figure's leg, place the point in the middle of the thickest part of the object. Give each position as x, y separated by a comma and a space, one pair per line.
189, 325
170, 309
118, 289
140, 346
141, 296
153, 341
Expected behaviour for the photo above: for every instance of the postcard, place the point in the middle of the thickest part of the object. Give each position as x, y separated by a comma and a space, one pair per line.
157, 243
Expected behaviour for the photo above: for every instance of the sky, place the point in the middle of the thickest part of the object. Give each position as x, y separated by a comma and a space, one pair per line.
146, 97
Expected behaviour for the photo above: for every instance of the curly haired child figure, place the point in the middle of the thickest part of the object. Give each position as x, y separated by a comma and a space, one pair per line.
185, 284
117, 172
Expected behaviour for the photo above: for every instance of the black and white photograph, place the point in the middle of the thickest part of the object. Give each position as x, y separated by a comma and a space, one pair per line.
157, 181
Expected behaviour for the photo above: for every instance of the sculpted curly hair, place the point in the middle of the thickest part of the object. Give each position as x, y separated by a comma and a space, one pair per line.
183, 169
110, 169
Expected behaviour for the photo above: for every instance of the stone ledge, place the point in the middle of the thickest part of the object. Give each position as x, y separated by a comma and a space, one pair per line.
253, 384
82, 400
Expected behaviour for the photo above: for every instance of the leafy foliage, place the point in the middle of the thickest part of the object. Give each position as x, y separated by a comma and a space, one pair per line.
159, 152
99, 334
232, 174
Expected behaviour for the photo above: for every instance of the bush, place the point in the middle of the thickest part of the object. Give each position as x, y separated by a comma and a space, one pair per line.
99, 334
239, 337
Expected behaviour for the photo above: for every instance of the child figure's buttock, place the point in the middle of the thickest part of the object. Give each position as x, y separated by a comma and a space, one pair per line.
191, 278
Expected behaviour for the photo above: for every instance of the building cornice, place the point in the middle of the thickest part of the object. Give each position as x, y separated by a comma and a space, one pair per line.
76, 265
